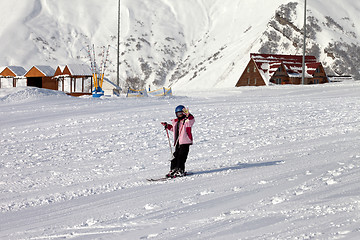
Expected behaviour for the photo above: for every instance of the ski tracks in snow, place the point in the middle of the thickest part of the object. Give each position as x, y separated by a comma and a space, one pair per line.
266, 165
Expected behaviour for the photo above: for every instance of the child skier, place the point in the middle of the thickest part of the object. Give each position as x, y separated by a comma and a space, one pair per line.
181, 127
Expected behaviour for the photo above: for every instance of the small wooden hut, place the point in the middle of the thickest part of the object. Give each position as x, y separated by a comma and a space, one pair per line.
12, 76
41, 76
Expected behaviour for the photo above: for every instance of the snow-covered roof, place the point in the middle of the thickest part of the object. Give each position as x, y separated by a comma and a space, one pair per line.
79, 70
48, 71
16, 70
282, 58
268, 64
108, 83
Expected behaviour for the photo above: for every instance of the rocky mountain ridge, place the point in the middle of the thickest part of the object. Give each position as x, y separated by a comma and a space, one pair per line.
182, 44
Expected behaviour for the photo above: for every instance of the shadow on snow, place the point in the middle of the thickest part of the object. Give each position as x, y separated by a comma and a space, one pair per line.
239, 166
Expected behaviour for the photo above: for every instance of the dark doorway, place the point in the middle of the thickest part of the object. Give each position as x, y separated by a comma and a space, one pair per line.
34, 82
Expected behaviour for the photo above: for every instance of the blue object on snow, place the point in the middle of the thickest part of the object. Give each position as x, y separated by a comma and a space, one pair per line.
98, 92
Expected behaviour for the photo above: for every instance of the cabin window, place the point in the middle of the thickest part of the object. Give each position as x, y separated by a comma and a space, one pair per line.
255, 80
254, 68
316, 81
248, 69
248, 83
278, 81
317, 70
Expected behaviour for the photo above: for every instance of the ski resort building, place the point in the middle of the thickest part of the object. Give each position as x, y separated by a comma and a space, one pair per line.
12, 76
265, 69
74, 79
42, 77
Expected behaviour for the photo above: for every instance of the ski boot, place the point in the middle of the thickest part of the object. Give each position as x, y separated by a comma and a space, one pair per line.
171, 173
179, 173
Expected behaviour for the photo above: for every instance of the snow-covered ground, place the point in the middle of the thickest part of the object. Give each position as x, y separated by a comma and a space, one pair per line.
279, 162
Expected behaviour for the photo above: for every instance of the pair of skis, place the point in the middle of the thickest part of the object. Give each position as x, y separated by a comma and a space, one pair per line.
167, 178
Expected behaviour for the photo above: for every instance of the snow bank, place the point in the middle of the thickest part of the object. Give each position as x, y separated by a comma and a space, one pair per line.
23, 94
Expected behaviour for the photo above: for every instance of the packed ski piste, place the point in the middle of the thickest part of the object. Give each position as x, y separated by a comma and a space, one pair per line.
275, 162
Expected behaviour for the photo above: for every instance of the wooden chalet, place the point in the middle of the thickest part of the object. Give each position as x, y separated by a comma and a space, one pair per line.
42, 77
265, 69
12, 76
74, 79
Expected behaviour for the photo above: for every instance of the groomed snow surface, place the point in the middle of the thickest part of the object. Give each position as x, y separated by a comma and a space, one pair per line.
277, 162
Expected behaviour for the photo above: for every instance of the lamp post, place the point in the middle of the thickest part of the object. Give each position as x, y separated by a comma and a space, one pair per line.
118, 49
304, 47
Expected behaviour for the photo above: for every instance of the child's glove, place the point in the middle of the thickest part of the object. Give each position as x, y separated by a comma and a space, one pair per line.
164, 124
186, 112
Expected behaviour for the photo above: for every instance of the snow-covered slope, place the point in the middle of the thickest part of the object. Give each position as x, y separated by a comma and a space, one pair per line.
184, 44
280, 162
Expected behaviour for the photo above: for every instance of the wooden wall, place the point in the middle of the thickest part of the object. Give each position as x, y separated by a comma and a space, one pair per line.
250, 76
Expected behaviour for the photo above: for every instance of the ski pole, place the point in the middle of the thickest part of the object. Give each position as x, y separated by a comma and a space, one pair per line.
167, 133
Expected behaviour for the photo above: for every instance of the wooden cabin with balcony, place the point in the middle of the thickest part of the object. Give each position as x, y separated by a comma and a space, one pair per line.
266, 69
74, 79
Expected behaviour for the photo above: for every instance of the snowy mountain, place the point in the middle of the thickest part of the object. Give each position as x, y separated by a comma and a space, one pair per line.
184, 44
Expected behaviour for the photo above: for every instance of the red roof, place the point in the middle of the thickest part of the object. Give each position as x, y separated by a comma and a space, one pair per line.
269, 63
282, 58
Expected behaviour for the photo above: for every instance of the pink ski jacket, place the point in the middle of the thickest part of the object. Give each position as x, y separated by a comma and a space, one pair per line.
185, 135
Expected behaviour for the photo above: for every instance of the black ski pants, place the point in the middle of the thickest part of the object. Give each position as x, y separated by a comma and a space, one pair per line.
180, 156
